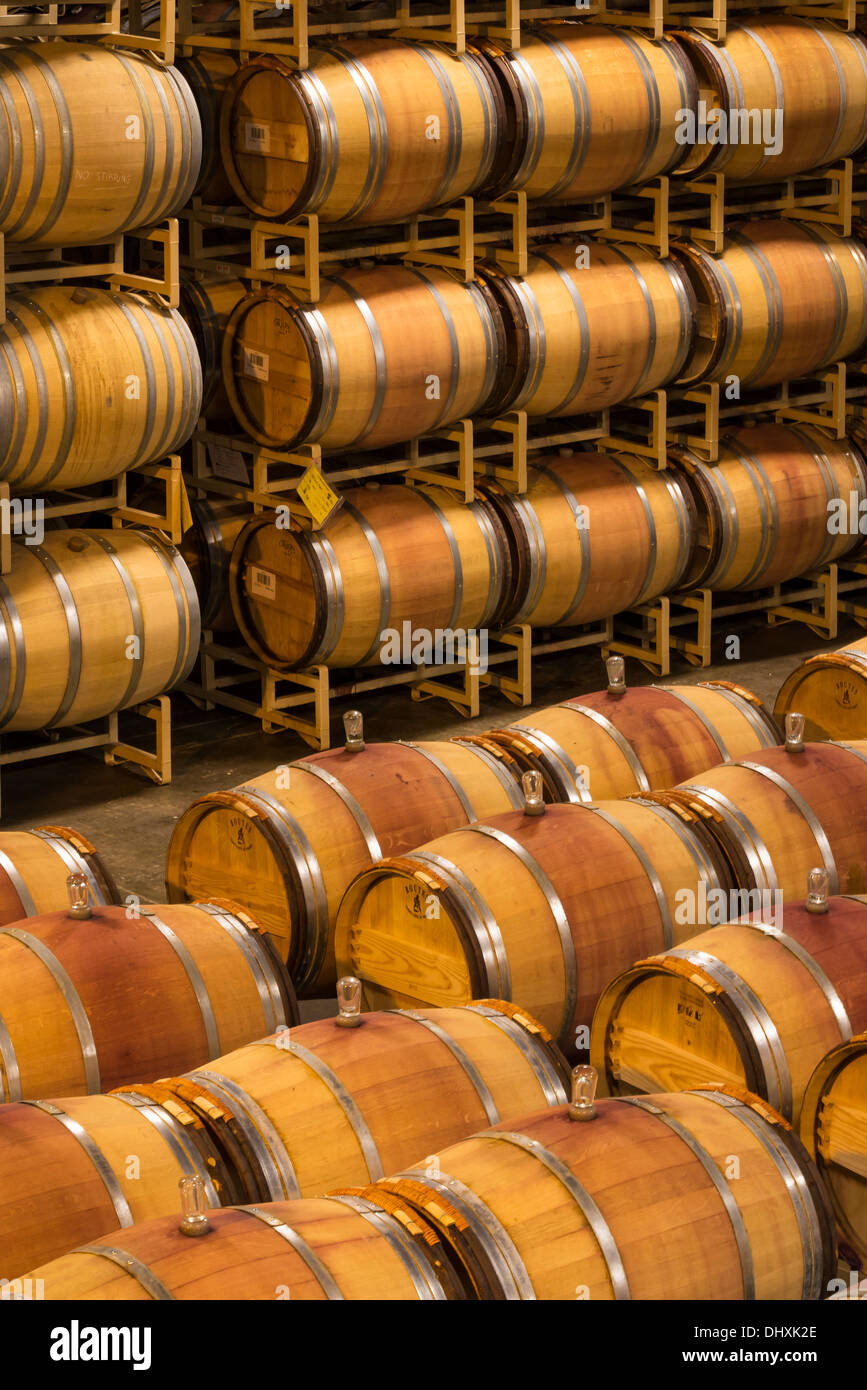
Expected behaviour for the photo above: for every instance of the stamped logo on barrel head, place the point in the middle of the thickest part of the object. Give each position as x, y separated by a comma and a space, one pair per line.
846, 693
241, 833
422, 904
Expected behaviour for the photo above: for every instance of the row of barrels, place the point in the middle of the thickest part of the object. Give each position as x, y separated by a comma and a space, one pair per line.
538, 1207
594, 535
392, 351
310, 1110
799, 1002
379, 129
376, 130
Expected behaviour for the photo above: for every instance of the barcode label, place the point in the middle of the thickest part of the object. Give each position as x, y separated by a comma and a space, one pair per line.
263, 583
256, 364
257, 138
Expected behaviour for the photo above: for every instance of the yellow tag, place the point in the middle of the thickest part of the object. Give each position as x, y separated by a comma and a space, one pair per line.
318, 496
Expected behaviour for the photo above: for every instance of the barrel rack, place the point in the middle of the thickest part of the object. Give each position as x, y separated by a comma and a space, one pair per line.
225, 670
682, 623
113, 499
656, 17
447, 22
57, 21
297, 253
99, 733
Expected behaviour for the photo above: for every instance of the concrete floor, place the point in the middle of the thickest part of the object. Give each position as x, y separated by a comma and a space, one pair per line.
130, 820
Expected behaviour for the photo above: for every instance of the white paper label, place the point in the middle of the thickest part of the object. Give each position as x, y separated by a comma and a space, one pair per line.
257, 137
263, 583
228, 463
256, 364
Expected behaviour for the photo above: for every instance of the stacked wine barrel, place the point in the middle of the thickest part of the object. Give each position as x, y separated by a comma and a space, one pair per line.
94, 381
376, 131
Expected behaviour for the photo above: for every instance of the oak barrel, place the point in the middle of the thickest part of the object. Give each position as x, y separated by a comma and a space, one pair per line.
784, 299
208, 72
94, 141
124, 598
612, 743
393, 566
74, 1168
542, 909
92, 382
834, 1129
388, 353
88, 1004
372, 131
207, 548
206, 303
349, 1247
814, 73
288, 843
588, 109
779, 814
34, 866
322, 1106
765, 505
756, 1003
590, 325
830, 690
593, 534
641, 1202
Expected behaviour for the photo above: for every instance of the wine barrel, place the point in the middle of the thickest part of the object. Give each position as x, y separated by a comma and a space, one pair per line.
394, 569
756, 1003
830, 690
543, 909
322, 1106
75, 171
388, 353
589, 109
341, 1247
123, 597
834, 1129
815, 73
784, 299
593, 535
206, 304
208, 72
91, 382
89, 1004
74, 1168
765, 505
207, 548
288, 843
34, 866
777, 815
618, 742
374, 130
590, 325
639, 1202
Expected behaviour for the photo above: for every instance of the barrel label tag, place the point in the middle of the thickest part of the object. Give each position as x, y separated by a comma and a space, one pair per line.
228, 463
256, 364
263, 583
318, 496
257, 137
